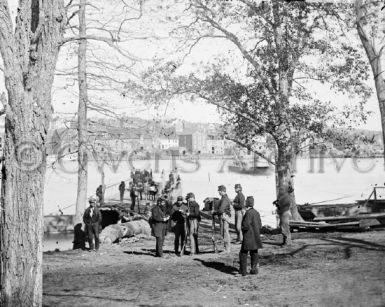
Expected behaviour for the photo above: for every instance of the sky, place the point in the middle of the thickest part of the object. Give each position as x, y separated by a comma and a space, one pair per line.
65, 96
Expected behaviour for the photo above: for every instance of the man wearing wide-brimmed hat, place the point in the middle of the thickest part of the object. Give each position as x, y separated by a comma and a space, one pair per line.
224, 214
92, 219
251, 227
239, 207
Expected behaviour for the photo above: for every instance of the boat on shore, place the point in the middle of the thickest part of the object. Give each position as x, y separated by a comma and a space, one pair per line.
363, 213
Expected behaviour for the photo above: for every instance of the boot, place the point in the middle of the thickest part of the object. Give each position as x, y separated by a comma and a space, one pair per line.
286, 240
242, 263
254, 263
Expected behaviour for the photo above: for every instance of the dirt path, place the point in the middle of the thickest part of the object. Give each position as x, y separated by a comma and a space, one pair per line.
334, 269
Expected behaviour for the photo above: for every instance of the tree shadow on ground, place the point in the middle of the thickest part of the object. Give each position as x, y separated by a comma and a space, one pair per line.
219, 266
86, 296
148, 252
352, 242
217, 227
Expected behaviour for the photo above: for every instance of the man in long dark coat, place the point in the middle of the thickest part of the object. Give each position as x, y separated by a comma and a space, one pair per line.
178, 218
251, 227
159, 225
92, 219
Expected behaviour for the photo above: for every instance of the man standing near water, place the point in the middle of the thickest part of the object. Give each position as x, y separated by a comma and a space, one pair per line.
239, 207
224, 215
122, 187
92, 219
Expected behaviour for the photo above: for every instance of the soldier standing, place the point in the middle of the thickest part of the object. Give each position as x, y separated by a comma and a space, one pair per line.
239, 207
193, 219
224, 215
251, 227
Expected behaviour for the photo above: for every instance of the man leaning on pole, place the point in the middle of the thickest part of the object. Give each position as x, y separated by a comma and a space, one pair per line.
224, 214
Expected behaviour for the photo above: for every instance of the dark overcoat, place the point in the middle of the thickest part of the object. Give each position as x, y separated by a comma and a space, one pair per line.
251, 227
96, 216
158, 226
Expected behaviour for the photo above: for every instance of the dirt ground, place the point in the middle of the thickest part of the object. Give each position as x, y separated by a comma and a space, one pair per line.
319, 269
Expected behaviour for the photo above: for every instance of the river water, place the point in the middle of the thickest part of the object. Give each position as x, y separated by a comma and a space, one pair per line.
316, 180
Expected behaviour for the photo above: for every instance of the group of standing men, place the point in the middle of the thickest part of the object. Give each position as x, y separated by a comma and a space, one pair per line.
182, 218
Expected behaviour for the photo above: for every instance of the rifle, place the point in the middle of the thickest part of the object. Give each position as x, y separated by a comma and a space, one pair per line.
185, 230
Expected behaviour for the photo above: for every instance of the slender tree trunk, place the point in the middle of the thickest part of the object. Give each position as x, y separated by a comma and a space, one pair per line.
29, 54
81, 199
374, 57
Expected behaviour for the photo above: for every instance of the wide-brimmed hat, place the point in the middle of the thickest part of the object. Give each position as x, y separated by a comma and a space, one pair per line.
222, 188
250, 201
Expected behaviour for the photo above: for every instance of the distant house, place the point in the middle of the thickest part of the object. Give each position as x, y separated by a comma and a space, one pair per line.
167, 143
215, 146
193, 141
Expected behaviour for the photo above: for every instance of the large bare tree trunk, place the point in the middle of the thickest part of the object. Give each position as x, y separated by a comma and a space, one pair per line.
373, 49
284, 175
29, 54
81, 198
283, 135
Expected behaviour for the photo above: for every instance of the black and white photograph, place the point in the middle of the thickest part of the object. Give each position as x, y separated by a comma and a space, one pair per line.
192, 153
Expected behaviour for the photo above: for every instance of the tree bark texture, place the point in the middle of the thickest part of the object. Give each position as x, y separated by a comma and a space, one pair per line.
283, 133
81, 199
284, 172
29, 55
373, 51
